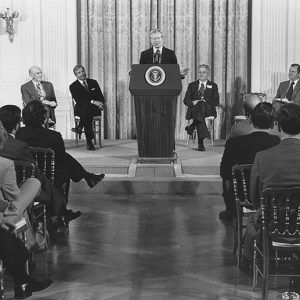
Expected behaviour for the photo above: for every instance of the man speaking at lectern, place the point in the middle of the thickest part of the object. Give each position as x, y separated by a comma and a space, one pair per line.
158, 54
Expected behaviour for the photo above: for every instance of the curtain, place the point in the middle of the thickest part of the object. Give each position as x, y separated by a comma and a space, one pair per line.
112, 33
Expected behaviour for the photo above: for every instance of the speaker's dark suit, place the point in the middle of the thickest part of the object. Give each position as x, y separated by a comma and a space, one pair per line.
283, 88
83, 107
167, 56
18, 150
202, 109
29, 93
66, 166
241, 150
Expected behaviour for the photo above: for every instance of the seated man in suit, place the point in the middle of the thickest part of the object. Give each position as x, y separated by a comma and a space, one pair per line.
158, 54
242, 150
10, 116
36, 135
201, 98
244, 126
289, 91
89, 103
275, 167
37, 89
14, 255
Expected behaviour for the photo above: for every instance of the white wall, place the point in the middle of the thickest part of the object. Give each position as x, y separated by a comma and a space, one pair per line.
46, 36
275, 43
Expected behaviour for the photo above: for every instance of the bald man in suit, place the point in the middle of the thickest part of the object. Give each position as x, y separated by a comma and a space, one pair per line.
37, 89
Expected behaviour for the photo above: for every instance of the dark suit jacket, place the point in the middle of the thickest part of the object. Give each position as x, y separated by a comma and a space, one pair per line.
211, 96
18, 150
283, 88
83, 98
66, 166
167, 56
242, 150
29, 93
275, 167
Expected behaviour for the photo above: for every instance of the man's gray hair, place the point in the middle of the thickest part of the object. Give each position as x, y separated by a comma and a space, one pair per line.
204, 66
155, 30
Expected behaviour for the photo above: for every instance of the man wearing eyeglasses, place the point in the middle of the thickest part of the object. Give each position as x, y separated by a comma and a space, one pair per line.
201, 98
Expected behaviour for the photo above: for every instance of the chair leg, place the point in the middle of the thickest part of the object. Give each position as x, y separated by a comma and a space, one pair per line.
95, 134
239, 239
255, 271
1, 281
235, 239
265, 277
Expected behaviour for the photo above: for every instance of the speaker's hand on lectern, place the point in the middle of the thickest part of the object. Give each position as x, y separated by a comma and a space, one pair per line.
184, 71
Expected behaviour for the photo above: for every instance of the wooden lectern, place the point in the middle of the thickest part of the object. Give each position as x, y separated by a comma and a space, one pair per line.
155, 89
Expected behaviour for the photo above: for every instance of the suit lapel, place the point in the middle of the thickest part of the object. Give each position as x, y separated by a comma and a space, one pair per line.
31, 87
296, 89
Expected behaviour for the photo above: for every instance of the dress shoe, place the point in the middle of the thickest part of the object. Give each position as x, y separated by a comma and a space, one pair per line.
201, 148
71, 215
226, 216
25, 290
93, 179
77, 129
90, 147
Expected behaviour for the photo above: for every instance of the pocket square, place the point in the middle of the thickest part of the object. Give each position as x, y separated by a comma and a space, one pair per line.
209, 86
92, 89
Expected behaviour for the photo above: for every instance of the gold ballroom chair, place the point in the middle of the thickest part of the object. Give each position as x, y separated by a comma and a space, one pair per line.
280, 245
241, 180
210, 122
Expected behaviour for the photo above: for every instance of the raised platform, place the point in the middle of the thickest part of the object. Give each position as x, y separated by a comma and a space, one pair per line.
194, 172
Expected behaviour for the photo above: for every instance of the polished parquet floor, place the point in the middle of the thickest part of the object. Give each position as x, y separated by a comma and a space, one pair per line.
148, 247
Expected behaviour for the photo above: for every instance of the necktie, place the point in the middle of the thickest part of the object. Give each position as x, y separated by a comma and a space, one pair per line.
156, 58
290, 91
201, 91
85, 85
39, 89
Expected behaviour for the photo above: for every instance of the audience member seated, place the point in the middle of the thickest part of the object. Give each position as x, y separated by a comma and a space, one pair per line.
244, 126
14, 254
10, 116
36, 135
275, 167
242, 150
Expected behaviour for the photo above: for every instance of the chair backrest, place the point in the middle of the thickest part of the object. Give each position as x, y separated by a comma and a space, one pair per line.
281, 214
45, 160
241, 183
24, 169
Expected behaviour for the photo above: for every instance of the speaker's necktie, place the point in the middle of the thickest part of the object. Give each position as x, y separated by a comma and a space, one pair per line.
40, 91
85, 85
290, 91
201, 90
156, 58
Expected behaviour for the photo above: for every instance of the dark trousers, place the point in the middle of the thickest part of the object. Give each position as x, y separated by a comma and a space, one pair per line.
14, 254
68, 169
228, 196
202, 131
86, 120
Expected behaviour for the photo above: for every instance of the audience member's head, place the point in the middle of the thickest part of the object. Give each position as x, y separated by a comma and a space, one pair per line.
10, 116
294, 72
203, 72
34, 114
36, 73
262, 116
288, 118
250, 101
3, 135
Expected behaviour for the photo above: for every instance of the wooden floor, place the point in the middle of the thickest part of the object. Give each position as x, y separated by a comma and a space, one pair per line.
145, 247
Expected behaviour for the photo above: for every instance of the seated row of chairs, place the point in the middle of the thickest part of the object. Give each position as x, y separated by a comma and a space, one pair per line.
280, 229
39, 218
